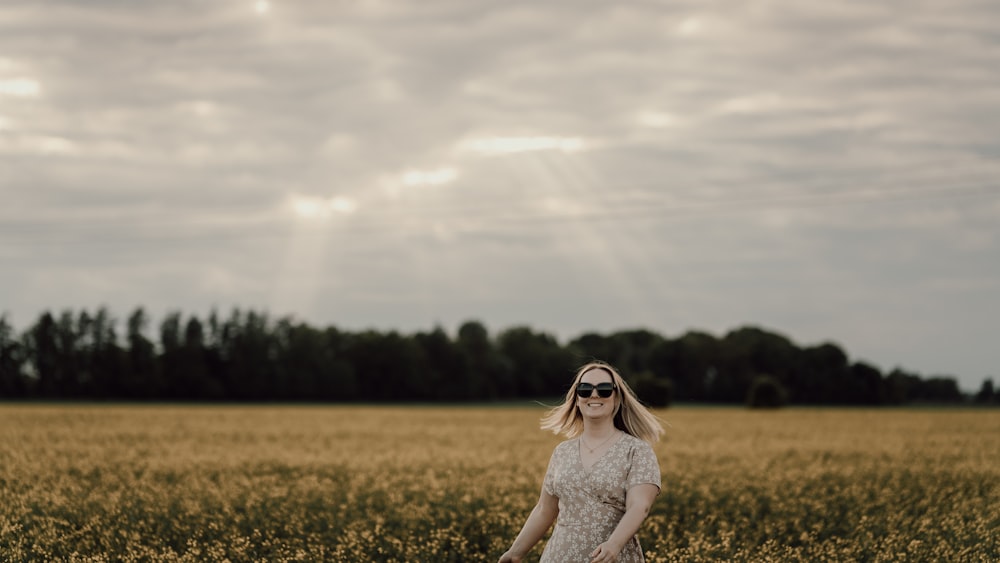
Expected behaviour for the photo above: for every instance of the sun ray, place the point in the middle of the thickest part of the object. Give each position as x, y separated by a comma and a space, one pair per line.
499, 145
20, 87
617, 252
606, 262
300, 279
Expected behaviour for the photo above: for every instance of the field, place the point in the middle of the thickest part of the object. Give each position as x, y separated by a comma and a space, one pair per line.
260, 483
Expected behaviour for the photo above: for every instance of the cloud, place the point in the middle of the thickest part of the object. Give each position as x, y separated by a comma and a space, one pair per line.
571, 165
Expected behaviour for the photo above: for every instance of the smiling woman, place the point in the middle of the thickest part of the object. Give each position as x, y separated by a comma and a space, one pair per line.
601, 484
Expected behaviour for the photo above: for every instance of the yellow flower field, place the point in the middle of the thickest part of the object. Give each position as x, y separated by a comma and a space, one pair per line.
336, 483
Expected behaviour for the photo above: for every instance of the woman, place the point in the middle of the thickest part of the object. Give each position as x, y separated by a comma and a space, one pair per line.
602, 481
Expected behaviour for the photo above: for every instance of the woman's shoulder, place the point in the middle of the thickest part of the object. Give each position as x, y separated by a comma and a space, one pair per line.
564, 450
567, 445
635, 443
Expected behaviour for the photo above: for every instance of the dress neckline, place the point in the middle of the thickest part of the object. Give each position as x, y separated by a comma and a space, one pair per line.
579, 452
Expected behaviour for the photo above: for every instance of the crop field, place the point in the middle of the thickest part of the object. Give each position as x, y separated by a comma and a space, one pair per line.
311, 483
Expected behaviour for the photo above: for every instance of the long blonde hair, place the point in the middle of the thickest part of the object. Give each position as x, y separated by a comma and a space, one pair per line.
631, 416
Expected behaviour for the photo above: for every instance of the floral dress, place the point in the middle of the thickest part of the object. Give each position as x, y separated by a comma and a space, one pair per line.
592, 501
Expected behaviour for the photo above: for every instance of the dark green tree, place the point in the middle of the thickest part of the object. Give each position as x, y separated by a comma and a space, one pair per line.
986, 395
299, 356
446, 363
40, 343
901, 387
542, 367
215, 345
13, 382
592, 346
247, 357
689, 362
766, 392
251, 357
311, 364
938, 389
632, 349
142, 378
105, 358
866, 385
72, 357
337, 380
387, 366
193, 374
171, 366
823, 376
476, 348
653, 391
746, 352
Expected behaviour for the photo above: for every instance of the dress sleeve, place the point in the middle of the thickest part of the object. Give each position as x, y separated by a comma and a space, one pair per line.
644, 467
549, 481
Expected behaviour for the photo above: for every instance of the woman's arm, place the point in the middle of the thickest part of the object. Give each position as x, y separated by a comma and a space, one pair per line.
539, 521
638, 499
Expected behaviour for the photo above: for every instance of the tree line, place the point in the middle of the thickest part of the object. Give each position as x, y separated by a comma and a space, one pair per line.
248, 356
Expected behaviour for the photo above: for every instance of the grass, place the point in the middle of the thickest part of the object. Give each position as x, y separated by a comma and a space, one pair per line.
306, 483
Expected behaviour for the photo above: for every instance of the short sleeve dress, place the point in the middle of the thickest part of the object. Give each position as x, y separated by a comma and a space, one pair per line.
592, 501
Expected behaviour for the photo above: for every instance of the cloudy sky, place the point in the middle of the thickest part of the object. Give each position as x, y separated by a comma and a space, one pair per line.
826, 170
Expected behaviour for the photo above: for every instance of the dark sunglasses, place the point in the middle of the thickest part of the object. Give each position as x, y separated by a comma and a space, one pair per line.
604, 390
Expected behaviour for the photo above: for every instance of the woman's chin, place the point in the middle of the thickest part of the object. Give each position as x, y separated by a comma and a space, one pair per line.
595, 413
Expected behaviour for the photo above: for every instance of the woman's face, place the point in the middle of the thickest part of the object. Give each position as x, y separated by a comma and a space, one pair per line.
593, 405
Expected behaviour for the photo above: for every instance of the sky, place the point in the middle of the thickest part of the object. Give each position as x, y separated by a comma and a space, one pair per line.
824, 170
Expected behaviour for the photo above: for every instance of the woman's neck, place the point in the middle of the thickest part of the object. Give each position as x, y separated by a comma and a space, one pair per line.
598, 428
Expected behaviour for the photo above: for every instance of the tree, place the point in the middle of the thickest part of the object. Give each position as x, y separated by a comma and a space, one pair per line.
653, 391
986, 394
445, 363
901, 386
632, 349
142, 378
300, 357
689, 362
473, 380
337, 380
250, 351
13, 382
193, 374
386, 366
864, 385
170, 356
311, 364
215, 363
938, 389
247, 357
823, 377
106, 362
766, 392
591, 346
541, 366
42, 353
746, 352
71, 355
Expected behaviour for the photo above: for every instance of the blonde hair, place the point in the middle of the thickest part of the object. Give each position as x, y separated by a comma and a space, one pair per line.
631, 416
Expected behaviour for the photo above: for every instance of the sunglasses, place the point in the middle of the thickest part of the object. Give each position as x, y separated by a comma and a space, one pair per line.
604, 390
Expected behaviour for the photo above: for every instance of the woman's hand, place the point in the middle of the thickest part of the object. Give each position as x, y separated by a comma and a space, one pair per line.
605, 553
510, 558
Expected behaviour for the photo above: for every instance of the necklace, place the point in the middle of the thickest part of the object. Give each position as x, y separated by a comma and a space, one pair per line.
592, 450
